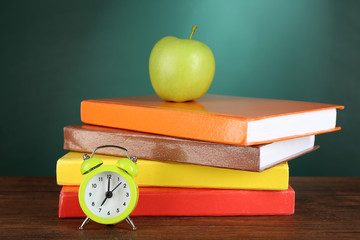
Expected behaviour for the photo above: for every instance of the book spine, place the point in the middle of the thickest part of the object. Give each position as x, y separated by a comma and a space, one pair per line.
169, 174
194, 202
198, 126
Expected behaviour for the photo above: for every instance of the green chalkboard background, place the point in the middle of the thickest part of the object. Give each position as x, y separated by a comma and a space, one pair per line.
56, 53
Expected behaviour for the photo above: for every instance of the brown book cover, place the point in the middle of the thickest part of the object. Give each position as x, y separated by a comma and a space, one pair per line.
85, 138
214, 118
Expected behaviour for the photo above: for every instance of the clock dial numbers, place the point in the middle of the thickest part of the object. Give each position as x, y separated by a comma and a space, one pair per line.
107, 194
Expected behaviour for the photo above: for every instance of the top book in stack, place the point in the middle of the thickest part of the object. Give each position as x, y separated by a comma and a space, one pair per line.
214, 118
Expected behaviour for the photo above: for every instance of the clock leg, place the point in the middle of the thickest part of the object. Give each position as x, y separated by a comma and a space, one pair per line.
84, 223
128, 220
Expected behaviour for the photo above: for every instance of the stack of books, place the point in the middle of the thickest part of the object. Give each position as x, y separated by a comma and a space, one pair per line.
216, 156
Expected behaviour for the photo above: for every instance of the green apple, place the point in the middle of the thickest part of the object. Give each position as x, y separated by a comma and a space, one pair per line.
181, 69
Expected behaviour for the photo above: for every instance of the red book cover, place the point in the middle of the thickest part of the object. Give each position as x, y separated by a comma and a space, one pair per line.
156, 201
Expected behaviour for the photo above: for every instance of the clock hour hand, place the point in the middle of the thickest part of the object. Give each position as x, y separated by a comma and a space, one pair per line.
116, 187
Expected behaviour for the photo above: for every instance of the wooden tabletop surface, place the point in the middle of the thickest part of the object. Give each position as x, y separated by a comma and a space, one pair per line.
326, 208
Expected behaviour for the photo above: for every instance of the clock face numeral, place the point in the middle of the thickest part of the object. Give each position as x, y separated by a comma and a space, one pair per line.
107, 194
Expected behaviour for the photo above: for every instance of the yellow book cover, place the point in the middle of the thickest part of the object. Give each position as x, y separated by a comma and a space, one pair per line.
171, 174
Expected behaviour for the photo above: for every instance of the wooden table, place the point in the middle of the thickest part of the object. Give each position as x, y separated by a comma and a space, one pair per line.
326, 208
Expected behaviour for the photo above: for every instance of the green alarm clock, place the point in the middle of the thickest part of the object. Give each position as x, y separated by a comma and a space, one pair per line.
108, 194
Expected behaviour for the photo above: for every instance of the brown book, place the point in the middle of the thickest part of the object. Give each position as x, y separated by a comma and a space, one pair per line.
85, 138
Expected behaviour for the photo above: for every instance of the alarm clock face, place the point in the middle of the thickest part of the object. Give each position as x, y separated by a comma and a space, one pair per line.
107, 194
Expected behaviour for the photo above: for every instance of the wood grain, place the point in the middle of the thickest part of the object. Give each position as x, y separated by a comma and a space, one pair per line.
326, 208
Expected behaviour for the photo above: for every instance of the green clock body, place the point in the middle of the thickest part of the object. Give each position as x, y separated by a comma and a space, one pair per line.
108, 194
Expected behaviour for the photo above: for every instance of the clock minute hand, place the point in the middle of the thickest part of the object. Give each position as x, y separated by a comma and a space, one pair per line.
106, 194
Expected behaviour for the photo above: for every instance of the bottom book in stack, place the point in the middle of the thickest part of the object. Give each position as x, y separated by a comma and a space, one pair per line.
176, 189
163, 201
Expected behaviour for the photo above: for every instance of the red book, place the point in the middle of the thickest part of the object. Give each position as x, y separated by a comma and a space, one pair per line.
155, 201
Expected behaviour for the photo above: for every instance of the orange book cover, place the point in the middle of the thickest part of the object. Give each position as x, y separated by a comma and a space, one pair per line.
214, 118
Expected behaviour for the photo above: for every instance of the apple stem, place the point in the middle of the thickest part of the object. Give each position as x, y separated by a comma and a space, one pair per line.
193, 31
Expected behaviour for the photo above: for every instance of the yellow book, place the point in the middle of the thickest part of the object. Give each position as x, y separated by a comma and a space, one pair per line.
171, 174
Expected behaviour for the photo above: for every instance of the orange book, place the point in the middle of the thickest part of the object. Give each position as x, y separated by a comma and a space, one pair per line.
214, 118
